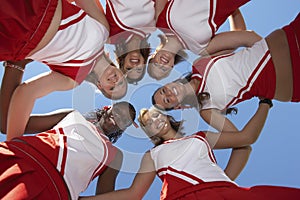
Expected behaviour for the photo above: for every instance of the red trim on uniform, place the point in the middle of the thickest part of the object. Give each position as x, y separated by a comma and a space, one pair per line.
64, 158
123, 26
33, 170
293, 36
74, 21
239, 96
211, 8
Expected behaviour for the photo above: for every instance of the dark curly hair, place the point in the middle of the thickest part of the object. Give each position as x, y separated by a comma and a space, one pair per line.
97, 114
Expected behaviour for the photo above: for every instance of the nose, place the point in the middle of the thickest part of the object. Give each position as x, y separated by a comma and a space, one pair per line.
113, 79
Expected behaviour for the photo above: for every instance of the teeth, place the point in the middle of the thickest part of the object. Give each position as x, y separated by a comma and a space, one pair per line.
112, 120
134, 60
175, 91
161, 124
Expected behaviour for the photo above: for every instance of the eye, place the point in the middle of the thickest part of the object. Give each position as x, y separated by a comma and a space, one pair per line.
166, 100
155, 114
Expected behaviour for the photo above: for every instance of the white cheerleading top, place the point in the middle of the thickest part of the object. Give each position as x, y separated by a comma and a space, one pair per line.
189, 159
79, 41
232, 78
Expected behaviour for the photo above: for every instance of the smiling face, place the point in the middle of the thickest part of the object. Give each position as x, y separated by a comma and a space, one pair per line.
112, 83
116, 118
156, 124
161, 64
170, 95
134, 65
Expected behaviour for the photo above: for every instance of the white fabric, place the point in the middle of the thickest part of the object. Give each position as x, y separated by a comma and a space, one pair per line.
81, 40
226, 78
85, 154
191, 155
190, 19
134, 16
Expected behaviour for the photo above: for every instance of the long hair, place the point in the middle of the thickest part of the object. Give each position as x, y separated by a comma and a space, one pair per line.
180, 56
176, 125
121, 53
196, 101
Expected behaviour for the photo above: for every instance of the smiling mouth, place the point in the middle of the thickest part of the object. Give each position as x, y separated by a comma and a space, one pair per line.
174, 91
164, 59
161, 124
135, 60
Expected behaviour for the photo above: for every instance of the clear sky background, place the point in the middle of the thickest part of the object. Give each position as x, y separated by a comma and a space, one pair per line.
273, 160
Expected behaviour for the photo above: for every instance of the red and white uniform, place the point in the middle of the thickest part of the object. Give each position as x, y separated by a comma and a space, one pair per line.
232, 78
188, 170
76, 45
130, 17
72, 51
76, 149
195, 22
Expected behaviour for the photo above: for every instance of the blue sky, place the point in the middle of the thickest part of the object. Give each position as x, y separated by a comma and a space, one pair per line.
273, 160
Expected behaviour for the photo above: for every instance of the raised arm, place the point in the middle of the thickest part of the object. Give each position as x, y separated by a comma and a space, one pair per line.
139, 187
231, 40
236, 21
159, 6
248, 135
24, 97
94, 9
239, 156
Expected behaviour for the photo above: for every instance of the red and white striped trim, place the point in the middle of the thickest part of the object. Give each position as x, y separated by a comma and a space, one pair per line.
63, 151
65, 23
121, 24
261, 65
210, 65
180, 175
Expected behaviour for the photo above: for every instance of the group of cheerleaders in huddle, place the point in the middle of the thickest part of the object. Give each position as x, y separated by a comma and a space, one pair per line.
71, 149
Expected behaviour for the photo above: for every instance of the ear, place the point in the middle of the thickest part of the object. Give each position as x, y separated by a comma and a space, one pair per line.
99, 86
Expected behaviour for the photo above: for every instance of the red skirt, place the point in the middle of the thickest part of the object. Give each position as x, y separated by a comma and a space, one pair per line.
23, 25
25, 174
293, 36
229, 191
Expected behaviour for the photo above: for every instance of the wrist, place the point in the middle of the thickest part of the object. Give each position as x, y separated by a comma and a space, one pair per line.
10, 65
266, 101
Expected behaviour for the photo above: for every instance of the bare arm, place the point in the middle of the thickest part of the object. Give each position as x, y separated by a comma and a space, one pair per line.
24, 97
247, 136
106, 181
139, 187
94, 9
236, 21
239, 156
232, 40
12, 78
159, 6
43, 122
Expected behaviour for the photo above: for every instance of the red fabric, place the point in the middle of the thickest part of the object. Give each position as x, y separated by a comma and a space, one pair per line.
222, 14
293, 36
25, 174
229, 191
23, 24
